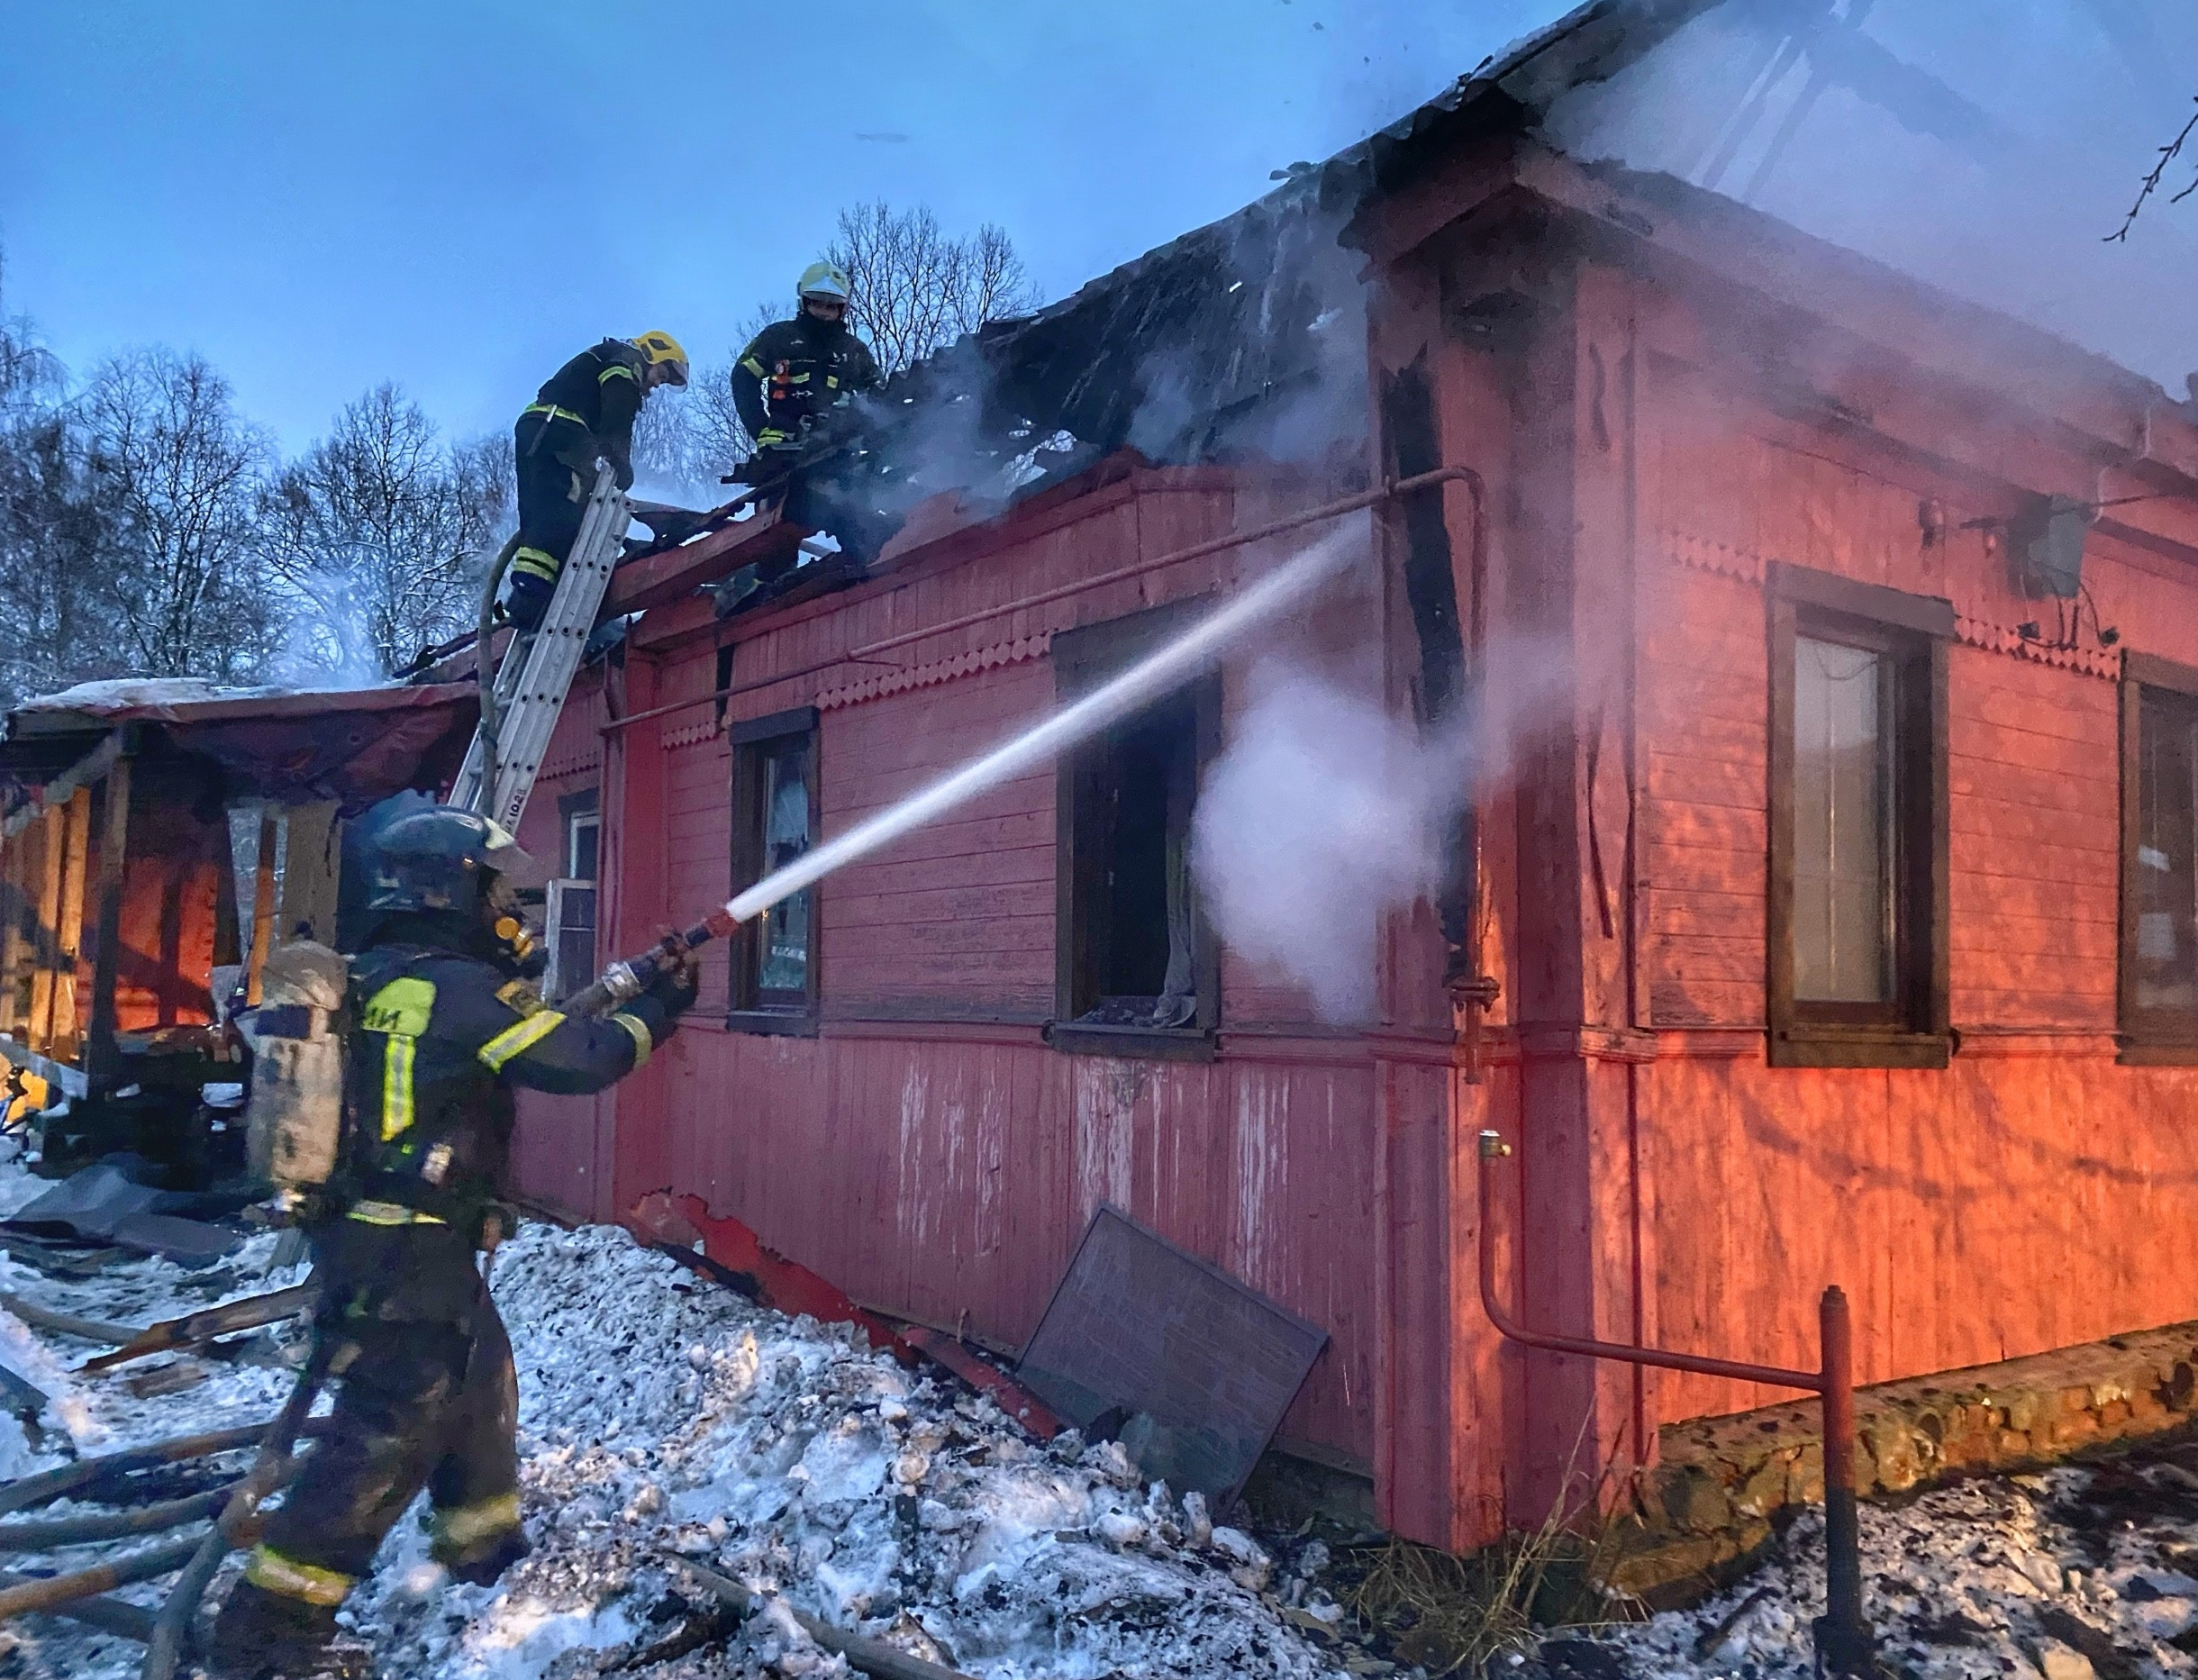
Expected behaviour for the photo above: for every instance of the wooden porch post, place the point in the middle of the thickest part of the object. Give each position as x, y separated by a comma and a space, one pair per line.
113, 860
45, 939
68, 927
263, 906
15, 889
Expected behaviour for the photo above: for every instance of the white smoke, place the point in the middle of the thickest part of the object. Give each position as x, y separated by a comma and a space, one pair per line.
326, 644
1322, 813
1325, 812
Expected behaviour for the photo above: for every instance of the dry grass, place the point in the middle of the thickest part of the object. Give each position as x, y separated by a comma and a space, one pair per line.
1453, 1615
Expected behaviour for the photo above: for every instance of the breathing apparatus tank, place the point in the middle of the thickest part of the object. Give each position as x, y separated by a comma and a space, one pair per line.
294, 1116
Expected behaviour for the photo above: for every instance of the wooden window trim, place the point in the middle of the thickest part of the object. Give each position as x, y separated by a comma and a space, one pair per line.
744, 1013
2145, 1040
1915, 629
1082, 659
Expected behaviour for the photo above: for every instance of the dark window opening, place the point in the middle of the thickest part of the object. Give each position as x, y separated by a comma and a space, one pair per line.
1136, 959
2159, 865
1856, 918
1143, 961
774, 820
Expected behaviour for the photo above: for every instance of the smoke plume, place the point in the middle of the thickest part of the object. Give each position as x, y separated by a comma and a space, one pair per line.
1322, 813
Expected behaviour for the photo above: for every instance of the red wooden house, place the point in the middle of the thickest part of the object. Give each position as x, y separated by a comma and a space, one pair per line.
1837, 919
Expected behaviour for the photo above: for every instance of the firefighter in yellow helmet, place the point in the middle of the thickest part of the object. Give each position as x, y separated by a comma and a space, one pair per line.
794, 370
585, 412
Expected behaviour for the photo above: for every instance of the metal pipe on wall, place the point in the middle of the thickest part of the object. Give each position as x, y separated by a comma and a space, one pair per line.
1355, 504
1845, 1644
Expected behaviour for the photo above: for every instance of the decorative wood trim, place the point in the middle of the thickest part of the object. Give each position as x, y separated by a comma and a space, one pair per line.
689, 735
583, 764
1700, 554
933, 672
1976, 632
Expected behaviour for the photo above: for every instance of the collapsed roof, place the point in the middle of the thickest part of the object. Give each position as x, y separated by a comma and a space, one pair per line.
290, 747
1228, 341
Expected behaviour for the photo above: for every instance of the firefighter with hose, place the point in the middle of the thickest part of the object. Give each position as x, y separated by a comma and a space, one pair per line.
443, 1025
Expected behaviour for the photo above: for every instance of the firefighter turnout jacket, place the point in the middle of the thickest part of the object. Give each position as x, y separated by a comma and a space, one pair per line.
442, 1039
584, 411
794, 370
588, 407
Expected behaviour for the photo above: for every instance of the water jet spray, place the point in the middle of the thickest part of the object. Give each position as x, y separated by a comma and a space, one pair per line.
1167, 668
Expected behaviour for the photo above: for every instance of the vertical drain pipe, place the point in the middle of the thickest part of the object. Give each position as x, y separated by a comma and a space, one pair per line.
1845, 1644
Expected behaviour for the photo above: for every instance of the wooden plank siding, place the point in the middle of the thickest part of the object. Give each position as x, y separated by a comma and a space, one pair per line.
1645, 457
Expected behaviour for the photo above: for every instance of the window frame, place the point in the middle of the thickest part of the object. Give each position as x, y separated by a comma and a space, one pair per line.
1083, 658
2145, 1038
572, 810
1914, 1029
751, 739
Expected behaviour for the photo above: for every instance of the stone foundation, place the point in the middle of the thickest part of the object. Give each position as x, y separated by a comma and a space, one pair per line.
1701, 1516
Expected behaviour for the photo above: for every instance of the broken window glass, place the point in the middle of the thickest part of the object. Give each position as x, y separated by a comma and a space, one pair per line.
782, 937
1843, 838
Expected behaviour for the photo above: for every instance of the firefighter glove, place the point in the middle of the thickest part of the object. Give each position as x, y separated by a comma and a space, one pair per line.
677, 983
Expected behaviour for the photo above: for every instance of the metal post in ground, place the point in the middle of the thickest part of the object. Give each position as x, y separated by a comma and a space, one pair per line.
1844, 1642
1845, 1645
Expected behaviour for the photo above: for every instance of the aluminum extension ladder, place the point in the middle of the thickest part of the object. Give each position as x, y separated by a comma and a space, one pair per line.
538, 669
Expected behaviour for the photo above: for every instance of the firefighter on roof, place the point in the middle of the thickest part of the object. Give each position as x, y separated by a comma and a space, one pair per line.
796, 370
585, 412
445, 1026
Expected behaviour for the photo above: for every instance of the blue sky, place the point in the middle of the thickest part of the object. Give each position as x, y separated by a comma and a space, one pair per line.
459, 195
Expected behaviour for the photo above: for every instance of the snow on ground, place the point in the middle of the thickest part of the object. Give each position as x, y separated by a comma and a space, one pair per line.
2081, 1570
662, 1415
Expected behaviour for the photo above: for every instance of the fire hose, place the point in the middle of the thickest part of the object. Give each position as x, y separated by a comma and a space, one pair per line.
1159, 671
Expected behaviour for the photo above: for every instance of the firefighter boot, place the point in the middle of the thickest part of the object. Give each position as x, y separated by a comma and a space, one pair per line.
476, 1543
484, 1564
261, 1635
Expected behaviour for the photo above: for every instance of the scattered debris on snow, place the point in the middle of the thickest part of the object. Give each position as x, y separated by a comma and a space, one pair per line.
2086, 1572
663, 1418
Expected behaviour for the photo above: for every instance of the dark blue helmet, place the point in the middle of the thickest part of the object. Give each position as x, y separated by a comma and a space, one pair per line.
439, 859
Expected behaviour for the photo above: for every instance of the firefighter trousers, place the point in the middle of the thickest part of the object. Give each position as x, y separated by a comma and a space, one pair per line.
552, 498
429, 1400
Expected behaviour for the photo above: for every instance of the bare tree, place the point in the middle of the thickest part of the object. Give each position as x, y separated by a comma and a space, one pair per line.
54, 541
997, 285
686, 440
2155, 178
915, 288
380, 535
57, 553
178, 472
